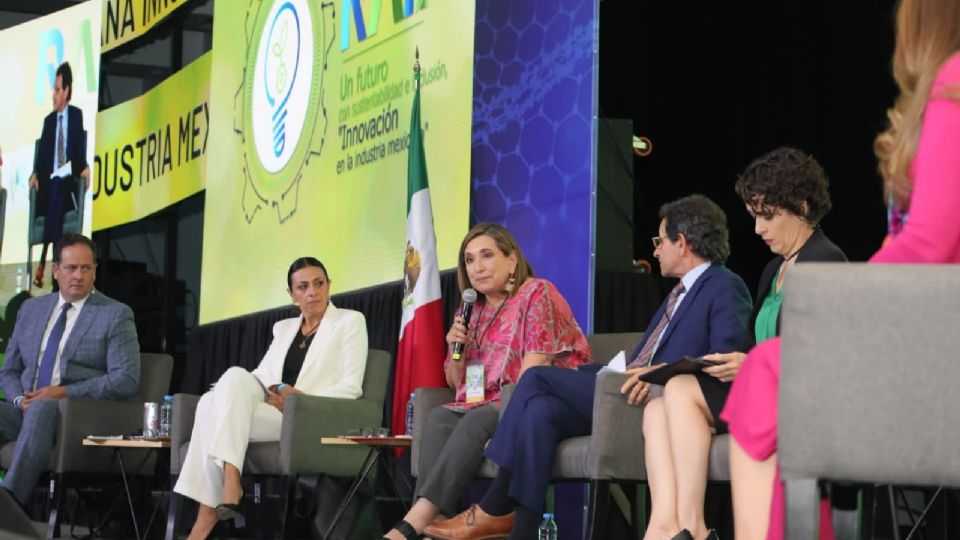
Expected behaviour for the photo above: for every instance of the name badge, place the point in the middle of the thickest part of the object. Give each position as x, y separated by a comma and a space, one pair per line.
475, 385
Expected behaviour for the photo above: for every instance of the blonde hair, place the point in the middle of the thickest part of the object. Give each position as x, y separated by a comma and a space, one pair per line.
928, 34
506, 243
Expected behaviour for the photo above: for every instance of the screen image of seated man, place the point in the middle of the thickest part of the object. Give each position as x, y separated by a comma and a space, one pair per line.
72, 343
61, 142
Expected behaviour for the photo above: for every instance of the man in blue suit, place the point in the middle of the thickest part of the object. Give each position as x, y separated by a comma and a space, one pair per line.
62, 141
74, 343
707, 312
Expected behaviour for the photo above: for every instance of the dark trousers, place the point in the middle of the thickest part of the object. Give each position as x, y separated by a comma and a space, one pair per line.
59, 202
550, 404
451, 453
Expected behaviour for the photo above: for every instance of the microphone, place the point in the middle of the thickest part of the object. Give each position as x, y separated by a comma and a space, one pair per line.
469, 298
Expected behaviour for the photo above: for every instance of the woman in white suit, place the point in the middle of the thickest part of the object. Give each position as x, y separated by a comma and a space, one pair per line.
323, 352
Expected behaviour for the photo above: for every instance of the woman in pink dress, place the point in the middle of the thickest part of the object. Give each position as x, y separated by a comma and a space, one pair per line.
920, 166
519, 321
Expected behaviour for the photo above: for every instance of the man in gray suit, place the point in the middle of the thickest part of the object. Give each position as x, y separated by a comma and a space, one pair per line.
75, 342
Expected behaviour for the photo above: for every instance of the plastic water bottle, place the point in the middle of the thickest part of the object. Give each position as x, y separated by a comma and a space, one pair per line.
548, 528
166, 413
410, 414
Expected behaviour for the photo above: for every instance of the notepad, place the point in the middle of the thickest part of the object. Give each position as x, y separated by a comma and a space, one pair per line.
687, 364
617, 364
63, 171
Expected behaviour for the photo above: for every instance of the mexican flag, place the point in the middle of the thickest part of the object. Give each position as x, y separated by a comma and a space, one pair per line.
422, 345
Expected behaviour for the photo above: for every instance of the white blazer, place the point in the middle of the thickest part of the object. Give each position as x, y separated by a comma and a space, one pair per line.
335, 361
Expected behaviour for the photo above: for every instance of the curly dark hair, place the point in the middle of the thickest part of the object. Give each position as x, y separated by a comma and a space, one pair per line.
702, 223
785, 179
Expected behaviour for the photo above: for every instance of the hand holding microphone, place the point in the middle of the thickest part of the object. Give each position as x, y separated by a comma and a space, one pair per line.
457, 336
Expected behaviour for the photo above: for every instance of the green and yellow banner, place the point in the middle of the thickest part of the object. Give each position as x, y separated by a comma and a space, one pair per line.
312, 115
126, 20
151, 151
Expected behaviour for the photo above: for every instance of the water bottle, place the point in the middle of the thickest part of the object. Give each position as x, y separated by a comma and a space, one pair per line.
166, 413
548, 529
410, 414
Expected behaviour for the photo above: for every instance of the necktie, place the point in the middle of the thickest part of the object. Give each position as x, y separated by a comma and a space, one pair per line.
53, 345
61, 142
649, 346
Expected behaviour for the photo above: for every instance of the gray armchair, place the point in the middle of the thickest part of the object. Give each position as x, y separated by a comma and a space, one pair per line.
868, 380
80, 417
612, 453
305, 420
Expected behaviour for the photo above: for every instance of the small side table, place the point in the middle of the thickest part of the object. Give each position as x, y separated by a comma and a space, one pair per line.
117, 445
376, 446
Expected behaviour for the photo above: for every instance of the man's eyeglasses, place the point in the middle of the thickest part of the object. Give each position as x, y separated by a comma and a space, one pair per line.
656, 242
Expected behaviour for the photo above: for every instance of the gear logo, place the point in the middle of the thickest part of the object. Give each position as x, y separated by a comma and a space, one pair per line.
279, 111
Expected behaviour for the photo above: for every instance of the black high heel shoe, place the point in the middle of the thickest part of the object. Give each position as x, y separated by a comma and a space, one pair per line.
406, 530
228, 511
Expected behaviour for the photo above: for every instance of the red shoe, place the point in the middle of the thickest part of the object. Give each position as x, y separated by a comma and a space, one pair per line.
38, 277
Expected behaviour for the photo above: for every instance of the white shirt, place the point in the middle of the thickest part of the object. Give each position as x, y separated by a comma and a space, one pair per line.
72, 315
688, 280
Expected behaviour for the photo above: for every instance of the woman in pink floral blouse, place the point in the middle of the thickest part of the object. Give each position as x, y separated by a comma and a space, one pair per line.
519, 321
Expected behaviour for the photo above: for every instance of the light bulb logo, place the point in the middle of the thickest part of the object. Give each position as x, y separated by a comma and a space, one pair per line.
278, 42
279, 113
283, 75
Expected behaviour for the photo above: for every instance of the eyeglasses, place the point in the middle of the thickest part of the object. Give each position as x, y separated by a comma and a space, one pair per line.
656, 242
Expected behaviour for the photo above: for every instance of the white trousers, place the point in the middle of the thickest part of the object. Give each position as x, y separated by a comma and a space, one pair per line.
229, 417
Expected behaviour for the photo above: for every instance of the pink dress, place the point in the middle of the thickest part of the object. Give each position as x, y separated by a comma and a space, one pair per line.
931, 234
536, 319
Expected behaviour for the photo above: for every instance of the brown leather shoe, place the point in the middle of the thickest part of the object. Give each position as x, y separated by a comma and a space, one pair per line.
472, 524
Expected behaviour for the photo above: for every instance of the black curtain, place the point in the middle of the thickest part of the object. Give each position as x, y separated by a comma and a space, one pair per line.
625, 301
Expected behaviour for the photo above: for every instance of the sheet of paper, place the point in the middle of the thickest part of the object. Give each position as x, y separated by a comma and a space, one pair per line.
617, 365
63, 171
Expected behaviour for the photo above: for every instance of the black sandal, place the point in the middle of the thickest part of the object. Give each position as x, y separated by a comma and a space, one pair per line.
406, 530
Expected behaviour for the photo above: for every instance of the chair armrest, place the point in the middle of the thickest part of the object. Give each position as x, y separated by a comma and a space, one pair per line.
616, 445
306, 419
181, 426
506, 392
425, 400
80, 417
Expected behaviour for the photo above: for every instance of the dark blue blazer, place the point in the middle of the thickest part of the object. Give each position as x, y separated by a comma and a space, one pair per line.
713, 318
76, 150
